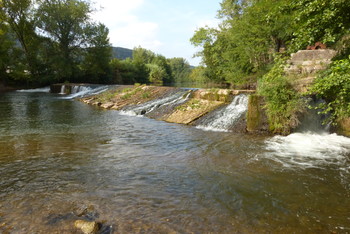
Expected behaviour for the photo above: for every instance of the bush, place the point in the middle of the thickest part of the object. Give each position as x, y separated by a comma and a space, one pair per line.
283, 102
333, 85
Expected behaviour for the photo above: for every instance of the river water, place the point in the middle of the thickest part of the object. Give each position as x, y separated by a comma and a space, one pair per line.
62, 160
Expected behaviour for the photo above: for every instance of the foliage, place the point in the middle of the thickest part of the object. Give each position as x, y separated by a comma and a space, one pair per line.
333, 85
180, 70
64, 22
18, 14
198, 75
283, 103
97, 55
156, 74
319, 20
241, 47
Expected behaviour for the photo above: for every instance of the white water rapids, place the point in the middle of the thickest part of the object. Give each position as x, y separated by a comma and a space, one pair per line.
308, 149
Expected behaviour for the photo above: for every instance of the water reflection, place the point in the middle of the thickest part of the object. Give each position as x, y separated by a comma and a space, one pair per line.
59, 158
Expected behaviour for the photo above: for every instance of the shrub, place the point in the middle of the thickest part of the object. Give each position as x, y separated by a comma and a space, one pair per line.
333, 85
283, 102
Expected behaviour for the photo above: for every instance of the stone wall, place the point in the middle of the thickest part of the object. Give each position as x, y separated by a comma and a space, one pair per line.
256, 117
304, 65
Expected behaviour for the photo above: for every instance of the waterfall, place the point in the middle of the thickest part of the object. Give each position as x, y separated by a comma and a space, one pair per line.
75, 89
311, 146
38, 90
63, 88
148, 107
83, 91
224, 119
313, 121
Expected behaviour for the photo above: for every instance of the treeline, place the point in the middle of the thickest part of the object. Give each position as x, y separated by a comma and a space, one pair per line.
148, 67
43, 42
243, 47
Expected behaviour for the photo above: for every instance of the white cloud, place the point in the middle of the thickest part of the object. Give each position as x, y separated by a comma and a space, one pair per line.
126, 29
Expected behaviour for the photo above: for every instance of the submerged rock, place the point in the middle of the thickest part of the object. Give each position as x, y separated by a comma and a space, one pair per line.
87, 227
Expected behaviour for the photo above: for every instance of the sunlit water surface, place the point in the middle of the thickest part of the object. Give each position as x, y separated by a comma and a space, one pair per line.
59, 157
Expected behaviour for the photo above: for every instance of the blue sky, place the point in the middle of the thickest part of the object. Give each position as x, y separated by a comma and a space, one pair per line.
164, 27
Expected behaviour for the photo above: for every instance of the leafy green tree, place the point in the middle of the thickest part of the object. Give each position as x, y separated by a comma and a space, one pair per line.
65, 23
198, 75
241, 48
123, 71
180, 69
97, 55
156, 74
162, 62
142, 55
320, 20
18, 14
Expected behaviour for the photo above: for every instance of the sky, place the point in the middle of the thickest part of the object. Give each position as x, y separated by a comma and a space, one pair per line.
162, 26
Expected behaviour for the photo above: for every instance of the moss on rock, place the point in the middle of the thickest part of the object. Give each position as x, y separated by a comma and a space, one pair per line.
256, 117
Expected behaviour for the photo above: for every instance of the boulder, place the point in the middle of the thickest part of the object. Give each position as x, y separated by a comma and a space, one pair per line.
87, 227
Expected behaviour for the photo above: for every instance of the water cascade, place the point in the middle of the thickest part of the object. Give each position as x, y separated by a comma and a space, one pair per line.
38, 90
225, 118
171, 100
311, 145
63, 89
82, 91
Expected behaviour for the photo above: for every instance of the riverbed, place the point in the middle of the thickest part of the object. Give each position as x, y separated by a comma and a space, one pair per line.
62, 160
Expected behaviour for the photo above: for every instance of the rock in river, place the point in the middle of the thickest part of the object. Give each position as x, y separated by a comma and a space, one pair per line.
87, 227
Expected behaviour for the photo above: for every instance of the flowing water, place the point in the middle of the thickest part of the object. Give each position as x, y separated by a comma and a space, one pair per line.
224, 119
62, 160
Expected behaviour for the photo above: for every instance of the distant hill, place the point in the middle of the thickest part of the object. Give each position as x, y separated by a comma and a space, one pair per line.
121, 53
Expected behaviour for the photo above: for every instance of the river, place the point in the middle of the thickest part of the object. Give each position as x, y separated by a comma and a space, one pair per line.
62, 160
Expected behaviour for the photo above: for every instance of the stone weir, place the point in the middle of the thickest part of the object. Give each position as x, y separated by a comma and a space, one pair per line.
176, 105
70, 88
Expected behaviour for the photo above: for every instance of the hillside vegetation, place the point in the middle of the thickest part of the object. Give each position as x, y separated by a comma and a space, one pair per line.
250, 47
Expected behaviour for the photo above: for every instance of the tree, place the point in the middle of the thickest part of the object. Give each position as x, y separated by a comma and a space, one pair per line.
198, 75
20, 18
97, 55
162, 63
320, 20
180, 69
241, 48
65, 23
156, 74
